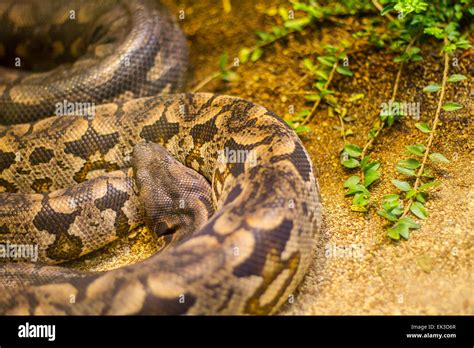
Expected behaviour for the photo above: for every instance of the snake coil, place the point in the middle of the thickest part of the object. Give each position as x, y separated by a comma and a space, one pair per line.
68, 186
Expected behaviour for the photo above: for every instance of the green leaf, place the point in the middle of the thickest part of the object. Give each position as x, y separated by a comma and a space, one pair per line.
344, 71
405, 7
437, 157
456, 78
372, 165
312, 97
403, 230
371, 175
413, 51
277, 31
244, 55
364, 162
297, 24
223, 61
451, 27
428, 185
326, 92
401, 58
389, 216
322, 74
308, 64
449, 48
229, 76
399, 230
409, 222
410, 194
372, 133
353, 150
302, 114
397, 211
436, 32
330, 49
391, 202
360, 199
387, 9
431, 88
464, 44
391, 197
421, 197
423, 127
410, 163
394, 234
418, 149
327, 60
321, 85
358, 208
427, 174
357, 188
419, 210
256, 54
356, 96
283, 12
264, 37
351, 182
451, 106
402, 185
302, 129
351, 163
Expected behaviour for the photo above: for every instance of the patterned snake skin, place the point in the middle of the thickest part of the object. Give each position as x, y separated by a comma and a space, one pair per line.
73, 183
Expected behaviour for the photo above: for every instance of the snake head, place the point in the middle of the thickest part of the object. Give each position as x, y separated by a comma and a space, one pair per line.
175, 199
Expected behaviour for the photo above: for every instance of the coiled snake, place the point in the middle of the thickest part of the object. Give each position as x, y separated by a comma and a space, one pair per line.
75, 181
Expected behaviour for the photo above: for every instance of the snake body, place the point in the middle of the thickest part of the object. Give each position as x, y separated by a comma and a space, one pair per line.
73, 183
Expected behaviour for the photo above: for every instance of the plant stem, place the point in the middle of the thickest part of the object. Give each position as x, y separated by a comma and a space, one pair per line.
433, 129
380, 8
204, 82
392, 100
343, 130
297, 83
217, 74
300, 92
318, 101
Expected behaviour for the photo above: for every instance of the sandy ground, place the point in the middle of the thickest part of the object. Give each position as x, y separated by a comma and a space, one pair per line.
356, 269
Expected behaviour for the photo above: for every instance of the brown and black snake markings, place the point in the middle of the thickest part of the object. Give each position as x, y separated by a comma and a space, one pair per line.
234, 194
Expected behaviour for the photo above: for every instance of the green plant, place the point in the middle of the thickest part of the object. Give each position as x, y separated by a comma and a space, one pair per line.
441, 20
416, 195
322, 71
264, 39
415, 19
355, 157
306, 14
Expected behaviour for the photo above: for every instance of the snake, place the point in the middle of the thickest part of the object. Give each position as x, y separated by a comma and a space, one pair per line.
225, 182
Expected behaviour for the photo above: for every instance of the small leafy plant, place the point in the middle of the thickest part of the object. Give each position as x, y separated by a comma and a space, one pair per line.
322, 72
416, 18
419, 182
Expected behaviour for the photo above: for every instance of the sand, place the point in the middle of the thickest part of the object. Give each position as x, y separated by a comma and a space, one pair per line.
356, 268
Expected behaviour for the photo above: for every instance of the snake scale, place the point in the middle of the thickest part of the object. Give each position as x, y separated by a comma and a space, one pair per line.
226, 182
